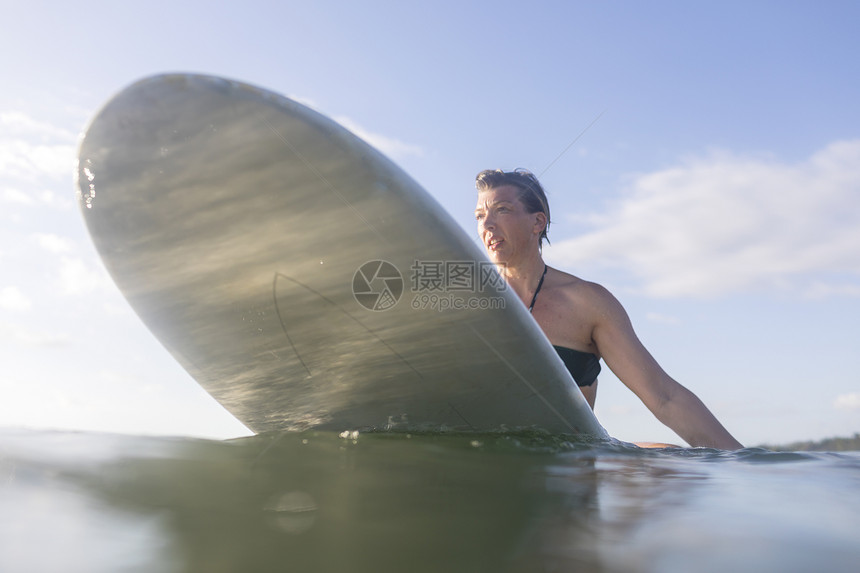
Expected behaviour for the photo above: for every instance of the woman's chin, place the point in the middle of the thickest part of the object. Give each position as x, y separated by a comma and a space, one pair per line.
497, 257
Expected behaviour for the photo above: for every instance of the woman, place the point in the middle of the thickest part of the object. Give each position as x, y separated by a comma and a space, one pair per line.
582, 320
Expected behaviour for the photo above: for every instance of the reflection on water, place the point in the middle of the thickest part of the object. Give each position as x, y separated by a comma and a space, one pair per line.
318, 501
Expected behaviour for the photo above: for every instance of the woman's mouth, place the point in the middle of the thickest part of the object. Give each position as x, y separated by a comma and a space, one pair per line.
494, 243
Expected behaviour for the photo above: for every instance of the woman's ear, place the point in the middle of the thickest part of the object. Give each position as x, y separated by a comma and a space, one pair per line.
540, 223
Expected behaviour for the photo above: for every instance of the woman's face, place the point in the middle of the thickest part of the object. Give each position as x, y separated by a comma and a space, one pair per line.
508, 232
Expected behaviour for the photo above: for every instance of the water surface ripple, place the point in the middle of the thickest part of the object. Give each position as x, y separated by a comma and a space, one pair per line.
318, 502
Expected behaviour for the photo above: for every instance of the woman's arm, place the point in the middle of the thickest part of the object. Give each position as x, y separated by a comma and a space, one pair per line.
672, 404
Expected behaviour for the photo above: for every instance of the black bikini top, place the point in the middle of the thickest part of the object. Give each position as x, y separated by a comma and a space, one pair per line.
583, 366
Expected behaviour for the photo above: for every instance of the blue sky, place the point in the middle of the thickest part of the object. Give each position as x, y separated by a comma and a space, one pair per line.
717, 195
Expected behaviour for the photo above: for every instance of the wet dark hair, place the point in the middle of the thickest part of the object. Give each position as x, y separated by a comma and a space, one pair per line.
531, 193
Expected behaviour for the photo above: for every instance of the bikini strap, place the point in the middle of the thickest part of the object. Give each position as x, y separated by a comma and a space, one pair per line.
537, 290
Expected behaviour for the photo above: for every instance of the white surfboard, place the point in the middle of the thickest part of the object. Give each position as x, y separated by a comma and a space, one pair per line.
300, 276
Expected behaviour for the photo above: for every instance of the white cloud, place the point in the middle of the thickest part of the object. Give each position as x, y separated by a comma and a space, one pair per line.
11, 195
28, 161
16, 123
724, 223
31, 149
39, 338
76, 277
118, 310
11, 298
53, 243
819, 289
43, 198
848, 401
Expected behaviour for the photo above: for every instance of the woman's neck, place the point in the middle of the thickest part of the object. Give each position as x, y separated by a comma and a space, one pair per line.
523, 278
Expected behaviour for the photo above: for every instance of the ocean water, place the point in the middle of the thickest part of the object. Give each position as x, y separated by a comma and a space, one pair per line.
321, 502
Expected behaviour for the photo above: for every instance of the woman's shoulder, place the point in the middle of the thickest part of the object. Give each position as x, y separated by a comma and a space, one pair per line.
574, 286
584, 294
